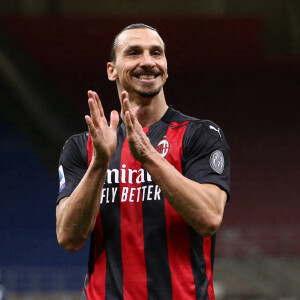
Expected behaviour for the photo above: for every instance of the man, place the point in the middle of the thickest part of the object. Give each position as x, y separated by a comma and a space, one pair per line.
149, 188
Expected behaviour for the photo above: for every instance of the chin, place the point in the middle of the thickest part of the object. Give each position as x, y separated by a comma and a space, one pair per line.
149, 94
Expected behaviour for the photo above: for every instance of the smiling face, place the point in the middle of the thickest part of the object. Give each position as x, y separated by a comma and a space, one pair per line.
140, 67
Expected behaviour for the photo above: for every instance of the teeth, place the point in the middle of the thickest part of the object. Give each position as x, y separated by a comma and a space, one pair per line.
146, 77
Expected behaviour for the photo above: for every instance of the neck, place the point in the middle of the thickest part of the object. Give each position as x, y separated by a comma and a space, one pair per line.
150, 110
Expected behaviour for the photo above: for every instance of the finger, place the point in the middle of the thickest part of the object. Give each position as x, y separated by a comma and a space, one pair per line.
124, 95
94, 112
132, 111
126, 105
100, 107
90, 125
114, 120
128, 123
90, 94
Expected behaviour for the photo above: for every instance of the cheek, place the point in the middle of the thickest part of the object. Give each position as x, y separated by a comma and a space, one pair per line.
121, 73
124, 72
164, 68
124, 78
125, 75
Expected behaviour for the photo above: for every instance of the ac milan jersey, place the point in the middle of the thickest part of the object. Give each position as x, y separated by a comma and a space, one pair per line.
140, 247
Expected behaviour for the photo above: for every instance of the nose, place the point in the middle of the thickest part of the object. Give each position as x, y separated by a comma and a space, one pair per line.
147, 60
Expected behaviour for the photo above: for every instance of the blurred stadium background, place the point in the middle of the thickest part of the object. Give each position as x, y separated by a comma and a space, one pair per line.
232, 61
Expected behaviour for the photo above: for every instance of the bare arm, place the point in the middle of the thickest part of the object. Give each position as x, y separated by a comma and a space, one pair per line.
200, 205
76, 215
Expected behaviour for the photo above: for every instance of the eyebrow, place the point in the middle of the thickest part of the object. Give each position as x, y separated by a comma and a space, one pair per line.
153, 47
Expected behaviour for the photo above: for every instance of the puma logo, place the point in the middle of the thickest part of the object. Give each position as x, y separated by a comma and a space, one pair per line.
217, 130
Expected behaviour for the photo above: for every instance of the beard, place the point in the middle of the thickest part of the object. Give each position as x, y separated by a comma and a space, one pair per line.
147, 91
149, 94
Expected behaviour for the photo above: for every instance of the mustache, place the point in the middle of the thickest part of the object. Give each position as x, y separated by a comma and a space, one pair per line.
139, 72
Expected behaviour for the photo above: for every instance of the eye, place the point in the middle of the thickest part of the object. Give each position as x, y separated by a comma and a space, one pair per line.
132, 53
156, 53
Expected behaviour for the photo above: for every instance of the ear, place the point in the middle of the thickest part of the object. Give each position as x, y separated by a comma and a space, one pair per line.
111, 71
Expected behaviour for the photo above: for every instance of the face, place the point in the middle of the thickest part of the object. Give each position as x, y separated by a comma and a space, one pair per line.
141, 66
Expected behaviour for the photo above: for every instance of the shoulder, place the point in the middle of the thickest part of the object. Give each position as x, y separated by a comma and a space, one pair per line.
206, 127
75, 147
178, 117
79, 139
199, 131
206, 132
196, 125
76, 141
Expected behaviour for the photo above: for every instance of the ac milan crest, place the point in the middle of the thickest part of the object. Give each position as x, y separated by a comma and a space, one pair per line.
163, 147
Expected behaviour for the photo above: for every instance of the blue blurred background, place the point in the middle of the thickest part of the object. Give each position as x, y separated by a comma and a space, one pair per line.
234, 62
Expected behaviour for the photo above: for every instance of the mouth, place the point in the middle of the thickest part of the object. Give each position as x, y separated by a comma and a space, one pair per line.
146, 78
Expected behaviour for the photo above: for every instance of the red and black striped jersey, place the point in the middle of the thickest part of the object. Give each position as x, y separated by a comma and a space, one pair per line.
140, 247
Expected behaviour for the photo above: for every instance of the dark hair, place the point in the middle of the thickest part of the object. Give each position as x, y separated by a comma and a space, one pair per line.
129, 27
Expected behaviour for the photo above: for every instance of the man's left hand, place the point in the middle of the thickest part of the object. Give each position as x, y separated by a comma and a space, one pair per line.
138, 142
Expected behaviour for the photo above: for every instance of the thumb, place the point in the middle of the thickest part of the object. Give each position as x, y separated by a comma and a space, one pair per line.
134, 110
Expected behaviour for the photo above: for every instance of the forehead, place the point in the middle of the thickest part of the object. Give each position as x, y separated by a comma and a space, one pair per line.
138, 37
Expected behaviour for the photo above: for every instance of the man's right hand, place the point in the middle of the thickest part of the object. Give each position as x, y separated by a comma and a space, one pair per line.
76, 215
104, 136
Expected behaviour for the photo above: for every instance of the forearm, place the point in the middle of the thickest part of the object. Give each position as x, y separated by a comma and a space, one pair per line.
200, 205
76, 216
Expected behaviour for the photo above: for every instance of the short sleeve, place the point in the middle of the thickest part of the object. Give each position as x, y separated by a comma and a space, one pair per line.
206, 155
73, 163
